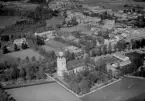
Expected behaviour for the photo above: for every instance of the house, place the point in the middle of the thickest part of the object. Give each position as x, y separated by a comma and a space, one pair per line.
120, 56
75, 66
109, 24
77, 51
110, 69
115, 66
44, 33
19, 41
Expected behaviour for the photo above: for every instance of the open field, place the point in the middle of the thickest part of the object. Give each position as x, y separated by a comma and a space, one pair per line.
44, 92
48, 48
22, 54
54, 21
56, 45
19, 5
8, 20
112, 4
122, 90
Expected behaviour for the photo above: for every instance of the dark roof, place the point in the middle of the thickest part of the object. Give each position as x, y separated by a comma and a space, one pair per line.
75, 64
118, 91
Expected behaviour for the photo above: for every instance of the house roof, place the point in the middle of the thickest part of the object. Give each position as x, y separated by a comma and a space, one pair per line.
75, 64
119, 55
124, 63
118, 91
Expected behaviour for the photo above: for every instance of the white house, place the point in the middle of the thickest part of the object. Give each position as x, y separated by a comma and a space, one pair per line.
73, 49
19, 41
44, 33
121, 57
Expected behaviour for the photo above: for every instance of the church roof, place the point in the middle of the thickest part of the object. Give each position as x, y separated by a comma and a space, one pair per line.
75, 64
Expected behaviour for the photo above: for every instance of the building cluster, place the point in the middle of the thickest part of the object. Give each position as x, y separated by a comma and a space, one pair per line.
121, 62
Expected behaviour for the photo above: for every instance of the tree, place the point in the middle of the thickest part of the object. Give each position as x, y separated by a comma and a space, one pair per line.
84, 86
15, 72
5, 50
16, 47
24, 45
0, 45
27, 59
104, 49
22, 73
67, 78
41, 72
121, 45
74, 86
18, 60
109, 48
33, 58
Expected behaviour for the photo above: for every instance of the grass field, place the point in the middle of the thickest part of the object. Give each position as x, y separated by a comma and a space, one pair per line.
56, 45
7, 20
44, 92
54, 21
122, 90
48, 48
22, 54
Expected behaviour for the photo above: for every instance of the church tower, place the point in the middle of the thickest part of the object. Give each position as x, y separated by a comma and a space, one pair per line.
61, 64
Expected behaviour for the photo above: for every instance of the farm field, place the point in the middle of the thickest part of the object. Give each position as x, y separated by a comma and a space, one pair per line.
44, 92
122, 90
56, 45
22, 54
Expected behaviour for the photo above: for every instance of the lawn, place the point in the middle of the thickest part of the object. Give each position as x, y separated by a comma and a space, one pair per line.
22, 54
54, 21
8, 20
44, 92
48, 48
119, 91
56, 45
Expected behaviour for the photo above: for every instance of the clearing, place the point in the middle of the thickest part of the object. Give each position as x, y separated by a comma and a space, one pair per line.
56, 45
22, 54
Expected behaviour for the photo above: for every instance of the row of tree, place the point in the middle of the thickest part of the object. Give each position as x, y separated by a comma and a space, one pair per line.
26, 70
5, 96
5, 50
40, 13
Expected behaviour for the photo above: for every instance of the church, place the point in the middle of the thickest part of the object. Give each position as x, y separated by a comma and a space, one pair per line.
70, 67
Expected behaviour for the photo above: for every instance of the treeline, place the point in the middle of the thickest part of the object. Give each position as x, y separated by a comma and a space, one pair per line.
38, 14
5, 96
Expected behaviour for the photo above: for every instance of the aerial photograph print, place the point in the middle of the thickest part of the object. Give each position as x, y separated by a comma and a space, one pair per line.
72, 50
